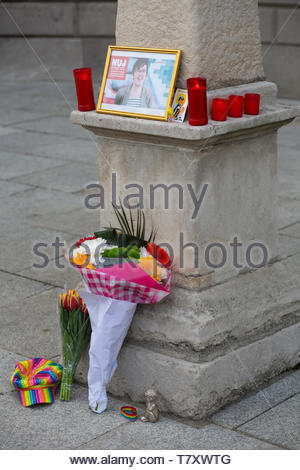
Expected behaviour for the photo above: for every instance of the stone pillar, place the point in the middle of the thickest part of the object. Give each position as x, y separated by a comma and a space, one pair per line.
218, 163
220, 39
223, 329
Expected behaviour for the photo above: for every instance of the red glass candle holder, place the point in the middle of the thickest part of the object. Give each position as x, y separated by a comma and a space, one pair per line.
252, 101
219, 109
236, 105
84, 89
197, 101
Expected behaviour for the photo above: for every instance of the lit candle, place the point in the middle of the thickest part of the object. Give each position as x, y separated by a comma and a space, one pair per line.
197, 101
236, 105
84, 89
252, 101
219, 109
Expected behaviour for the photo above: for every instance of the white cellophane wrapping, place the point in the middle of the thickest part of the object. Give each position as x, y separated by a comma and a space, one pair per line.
110, 321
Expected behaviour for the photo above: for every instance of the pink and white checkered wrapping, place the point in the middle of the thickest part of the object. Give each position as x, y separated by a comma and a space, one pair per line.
101, 283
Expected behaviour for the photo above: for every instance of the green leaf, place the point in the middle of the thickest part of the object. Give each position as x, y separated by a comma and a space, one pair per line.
122, 219
110, 235
143, 225
126, 223
131, 221
131, 232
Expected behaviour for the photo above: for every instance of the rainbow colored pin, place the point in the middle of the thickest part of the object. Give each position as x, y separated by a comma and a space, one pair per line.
129, 412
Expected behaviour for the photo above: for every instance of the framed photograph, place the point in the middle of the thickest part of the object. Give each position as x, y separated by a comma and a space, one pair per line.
138, 82
179, 105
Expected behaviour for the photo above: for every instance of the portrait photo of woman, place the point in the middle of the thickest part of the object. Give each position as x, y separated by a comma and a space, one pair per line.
136, 94
138, 82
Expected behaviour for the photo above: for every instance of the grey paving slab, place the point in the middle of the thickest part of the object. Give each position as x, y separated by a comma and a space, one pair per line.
289, 184
292, 230
290, 135
167, 434
31, 326
11, 115
69, 178
17, 86
7, 130
60, 125
21, 100
15, 164
7, 188
32, 204
38, 98
14, 288
24, 257
256, 403
28, 233
279, 425
22, 249
60, 148
8, 361
288, 159
78, 221
32, 105
61, 425
56, 358
288, 211
285, 100
288, 245
60, 277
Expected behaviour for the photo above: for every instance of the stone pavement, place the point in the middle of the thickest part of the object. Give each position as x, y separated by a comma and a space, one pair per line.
46, 163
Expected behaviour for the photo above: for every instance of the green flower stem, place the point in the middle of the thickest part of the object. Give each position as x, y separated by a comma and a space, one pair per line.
66, 382
75, 331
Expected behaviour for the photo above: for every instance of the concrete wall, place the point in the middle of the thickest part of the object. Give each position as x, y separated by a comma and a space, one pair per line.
60, 36
68, 34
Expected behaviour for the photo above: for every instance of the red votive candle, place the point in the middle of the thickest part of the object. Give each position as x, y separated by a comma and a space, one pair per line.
197, 101
219, 109
252, 101
236, 105
84, 89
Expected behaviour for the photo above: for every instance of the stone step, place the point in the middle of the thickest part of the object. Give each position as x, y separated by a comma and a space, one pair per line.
193, 390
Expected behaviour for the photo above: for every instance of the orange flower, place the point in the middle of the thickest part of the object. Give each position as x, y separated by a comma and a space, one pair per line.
151, 267
80, 259
91, 266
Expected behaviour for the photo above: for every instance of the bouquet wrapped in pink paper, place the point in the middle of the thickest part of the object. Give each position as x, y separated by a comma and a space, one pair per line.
120, 269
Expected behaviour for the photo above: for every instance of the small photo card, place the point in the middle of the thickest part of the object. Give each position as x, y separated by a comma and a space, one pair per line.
179, 105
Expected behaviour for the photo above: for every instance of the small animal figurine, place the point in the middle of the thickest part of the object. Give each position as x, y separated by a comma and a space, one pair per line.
152, 410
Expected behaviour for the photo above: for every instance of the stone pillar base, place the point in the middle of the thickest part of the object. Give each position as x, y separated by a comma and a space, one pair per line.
221, 342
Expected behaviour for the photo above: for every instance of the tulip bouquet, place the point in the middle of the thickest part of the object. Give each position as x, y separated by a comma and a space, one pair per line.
120, 268
75, 331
